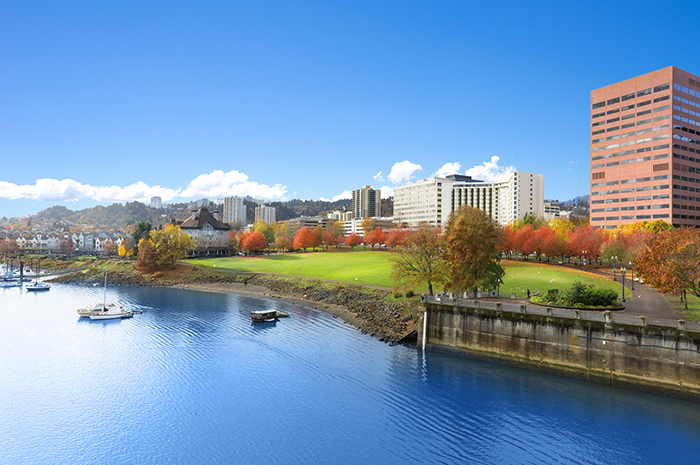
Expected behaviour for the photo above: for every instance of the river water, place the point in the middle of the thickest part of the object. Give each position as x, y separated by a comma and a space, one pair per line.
193, 381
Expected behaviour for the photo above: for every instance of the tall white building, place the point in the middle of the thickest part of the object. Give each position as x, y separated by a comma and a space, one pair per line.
432, 200
267, 214
366, 202
156, 202
234, 210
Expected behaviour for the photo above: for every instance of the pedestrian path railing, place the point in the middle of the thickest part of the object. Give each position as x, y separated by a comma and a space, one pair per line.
467, 300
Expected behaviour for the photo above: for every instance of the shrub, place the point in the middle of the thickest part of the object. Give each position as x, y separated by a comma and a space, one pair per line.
409, 294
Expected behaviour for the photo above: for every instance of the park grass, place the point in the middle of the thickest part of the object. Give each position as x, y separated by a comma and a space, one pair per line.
541, 277
693, 312
373, 268
366, 267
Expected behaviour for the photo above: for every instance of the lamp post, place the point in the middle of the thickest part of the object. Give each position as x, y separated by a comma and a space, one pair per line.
584, 260
632, 279
614, 259
622, 272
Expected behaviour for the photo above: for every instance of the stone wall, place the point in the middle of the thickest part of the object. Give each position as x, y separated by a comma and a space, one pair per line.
607, 348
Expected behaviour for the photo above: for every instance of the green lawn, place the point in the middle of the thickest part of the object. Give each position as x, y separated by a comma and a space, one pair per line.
373, 268
541, 277
359, 266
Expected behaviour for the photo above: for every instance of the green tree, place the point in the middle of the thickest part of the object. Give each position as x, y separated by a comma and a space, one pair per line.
471, 237
420, 260
142, 229
265, 229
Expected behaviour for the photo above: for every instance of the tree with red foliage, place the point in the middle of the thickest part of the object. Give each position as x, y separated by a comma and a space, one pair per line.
352, 240
253, 242
317, 236
507, 240
524, 243
586, 242
396, 237
376, 237
304, 238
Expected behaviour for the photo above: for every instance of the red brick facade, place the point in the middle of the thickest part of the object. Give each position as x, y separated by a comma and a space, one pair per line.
645, 150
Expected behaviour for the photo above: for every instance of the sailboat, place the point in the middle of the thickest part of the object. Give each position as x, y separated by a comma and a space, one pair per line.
103, 311
37, 286
8, 280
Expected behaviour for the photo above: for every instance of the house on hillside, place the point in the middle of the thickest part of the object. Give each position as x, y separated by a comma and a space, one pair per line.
209, 233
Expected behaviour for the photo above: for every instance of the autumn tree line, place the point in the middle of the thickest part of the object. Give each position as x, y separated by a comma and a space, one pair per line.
465, 256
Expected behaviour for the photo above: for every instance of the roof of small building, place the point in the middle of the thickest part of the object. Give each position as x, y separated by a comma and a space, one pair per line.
203, 217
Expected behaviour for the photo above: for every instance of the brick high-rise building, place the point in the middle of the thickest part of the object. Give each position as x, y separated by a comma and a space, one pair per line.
645, 150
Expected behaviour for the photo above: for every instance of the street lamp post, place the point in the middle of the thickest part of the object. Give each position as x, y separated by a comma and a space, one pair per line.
622, 272
632, 279
584, 260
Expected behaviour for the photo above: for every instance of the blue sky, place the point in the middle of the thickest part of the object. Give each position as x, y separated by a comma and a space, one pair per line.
118, 101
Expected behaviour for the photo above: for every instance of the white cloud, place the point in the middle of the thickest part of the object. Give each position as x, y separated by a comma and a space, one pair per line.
490, 171
345, 195
403, 171
447, 169
378, 177
215, 184
47, 189
387, 192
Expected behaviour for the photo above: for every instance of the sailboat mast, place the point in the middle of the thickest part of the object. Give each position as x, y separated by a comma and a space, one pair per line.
105, 298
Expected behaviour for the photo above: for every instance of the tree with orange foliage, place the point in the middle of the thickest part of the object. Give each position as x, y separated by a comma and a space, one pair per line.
304, 238
376, 237
253, 242
146, 260
396, 237
352, 240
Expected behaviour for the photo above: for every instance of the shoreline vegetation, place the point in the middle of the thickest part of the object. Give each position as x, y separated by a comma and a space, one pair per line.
376, 312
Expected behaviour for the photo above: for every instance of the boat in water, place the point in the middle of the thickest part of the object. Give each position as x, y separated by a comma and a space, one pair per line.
262, 316
108, 312
37, 286
104, 311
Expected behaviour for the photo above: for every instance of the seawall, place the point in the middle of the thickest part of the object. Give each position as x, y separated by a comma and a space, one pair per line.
660, 356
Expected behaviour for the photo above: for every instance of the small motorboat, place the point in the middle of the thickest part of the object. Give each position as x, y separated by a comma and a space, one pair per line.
262, 316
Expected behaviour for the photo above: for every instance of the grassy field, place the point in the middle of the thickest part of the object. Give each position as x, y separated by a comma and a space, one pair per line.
368, 267
373, 268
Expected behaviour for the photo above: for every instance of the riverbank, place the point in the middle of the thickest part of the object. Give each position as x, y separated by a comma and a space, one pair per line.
373, 311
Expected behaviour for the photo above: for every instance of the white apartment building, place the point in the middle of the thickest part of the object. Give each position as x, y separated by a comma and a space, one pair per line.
234, 210
156, 202
433, 199
267, 214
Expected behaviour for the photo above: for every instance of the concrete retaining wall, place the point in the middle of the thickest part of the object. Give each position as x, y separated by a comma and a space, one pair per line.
656, 358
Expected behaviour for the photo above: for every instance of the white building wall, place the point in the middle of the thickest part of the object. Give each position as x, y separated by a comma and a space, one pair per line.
234, 210
427, 200
432, 200
268, 214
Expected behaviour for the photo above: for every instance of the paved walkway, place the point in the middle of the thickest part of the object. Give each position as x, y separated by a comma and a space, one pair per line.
645, 301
